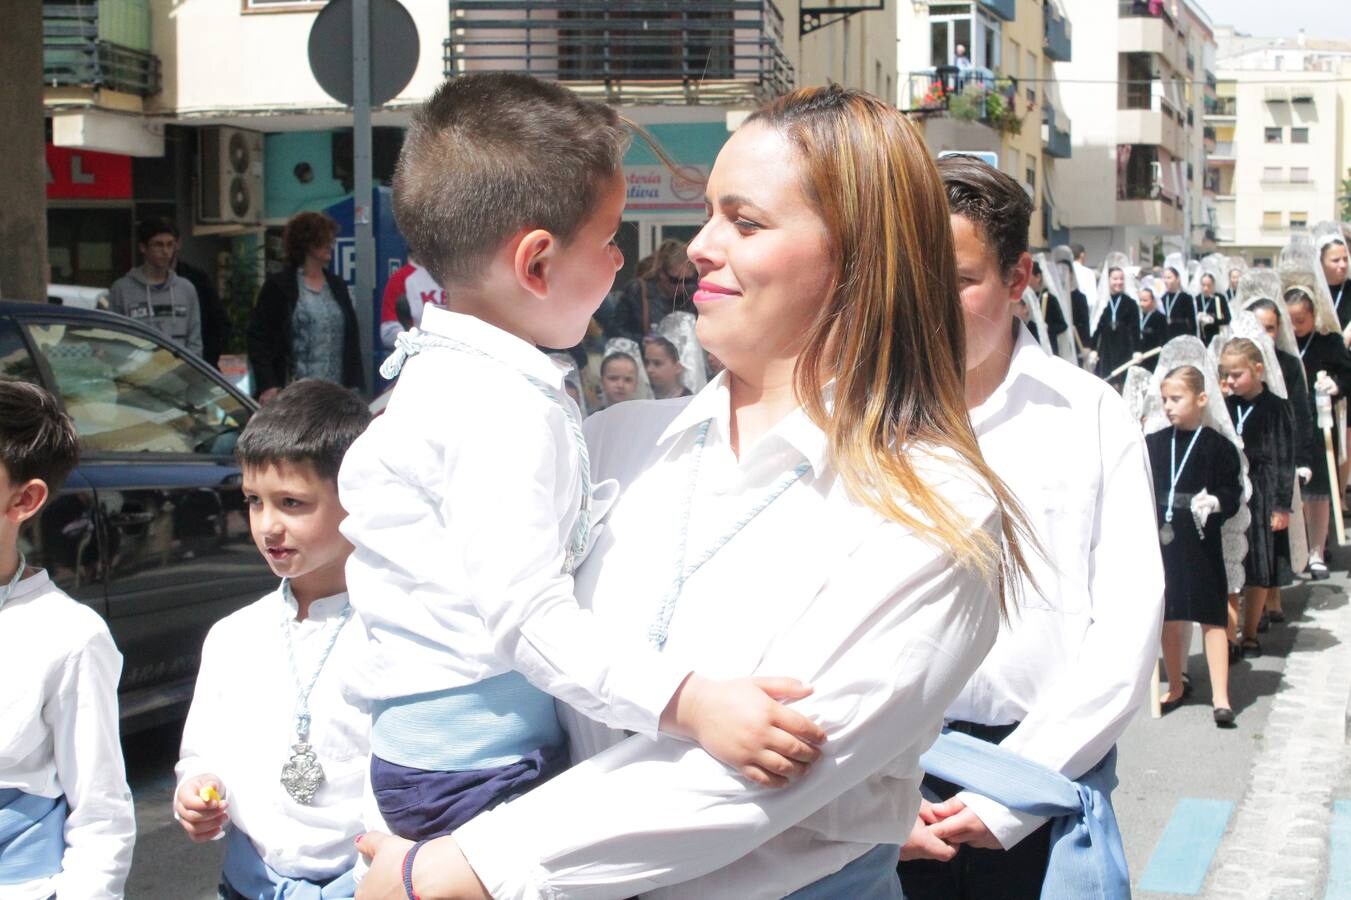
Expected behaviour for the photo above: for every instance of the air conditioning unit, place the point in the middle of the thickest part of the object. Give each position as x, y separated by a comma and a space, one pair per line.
230, 176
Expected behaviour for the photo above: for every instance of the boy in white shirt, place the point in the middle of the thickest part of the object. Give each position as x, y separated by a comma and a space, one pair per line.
66, 821
470, 499
270, 745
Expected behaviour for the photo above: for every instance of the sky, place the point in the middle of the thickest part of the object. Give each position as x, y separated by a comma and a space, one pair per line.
1283, 18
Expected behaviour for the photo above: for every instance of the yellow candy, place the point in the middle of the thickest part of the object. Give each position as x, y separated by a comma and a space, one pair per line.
209, 793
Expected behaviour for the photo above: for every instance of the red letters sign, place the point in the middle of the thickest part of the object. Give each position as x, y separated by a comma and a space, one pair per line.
74, 174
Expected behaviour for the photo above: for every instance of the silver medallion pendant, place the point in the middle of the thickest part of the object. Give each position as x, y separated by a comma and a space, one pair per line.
1166, 534
302, 774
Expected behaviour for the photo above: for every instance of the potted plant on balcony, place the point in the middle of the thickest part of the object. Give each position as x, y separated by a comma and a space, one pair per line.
935, 98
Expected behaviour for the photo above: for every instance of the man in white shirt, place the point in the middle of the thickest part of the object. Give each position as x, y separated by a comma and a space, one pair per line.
1071, 663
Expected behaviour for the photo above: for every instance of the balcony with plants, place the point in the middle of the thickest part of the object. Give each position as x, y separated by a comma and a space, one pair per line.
966, 95
715, 52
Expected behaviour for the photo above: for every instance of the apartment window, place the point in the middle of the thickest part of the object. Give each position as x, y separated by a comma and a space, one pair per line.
1261, 262
1015, 59
949, 25
1271, 220
1299, 220
1032, 173
1299, 175
1273, 135
1271, 173
1299, 135
1137, 75
1030, 72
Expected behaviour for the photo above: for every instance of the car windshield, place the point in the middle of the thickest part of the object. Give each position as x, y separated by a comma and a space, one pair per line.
127, 393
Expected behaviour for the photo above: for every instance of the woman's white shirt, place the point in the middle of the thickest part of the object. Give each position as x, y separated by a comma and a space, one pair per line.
882, 625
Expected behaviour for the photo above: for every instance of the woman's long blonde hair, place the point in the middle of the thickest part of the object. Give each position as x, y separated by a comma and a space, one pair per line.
890, 332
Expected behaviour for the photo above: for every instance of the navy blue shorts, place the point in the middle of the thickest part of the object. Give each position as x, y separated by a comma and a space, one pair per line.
418, 805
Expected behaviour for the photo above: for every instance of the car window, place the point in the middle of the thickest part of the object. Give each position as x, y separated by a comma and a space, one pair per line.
15, 360
129, 394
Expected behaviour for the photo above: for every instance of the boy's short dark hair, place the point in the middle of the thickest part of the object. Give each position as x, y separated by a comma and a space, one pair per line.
491, 154
990, 200
37, 438
146, 231
311, 421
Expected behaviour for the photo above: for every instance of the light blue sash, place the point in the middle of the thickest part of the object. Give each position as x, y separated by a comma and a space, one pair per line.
249, 875
1088, 861
492, 723
870, 877
32, 836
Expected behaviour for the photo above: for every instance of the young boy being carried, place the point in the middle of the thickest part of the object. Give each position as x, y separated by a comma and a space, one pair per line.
270, 746
470, 499
66, 821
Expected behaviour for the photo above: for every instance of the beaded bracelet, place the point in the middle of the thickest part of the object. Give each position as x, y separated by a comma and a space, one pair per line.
408, 870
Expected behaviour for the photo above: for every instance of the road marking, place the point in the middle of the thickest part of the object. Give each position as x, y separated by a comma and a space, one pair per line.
1186, 847
1339, 860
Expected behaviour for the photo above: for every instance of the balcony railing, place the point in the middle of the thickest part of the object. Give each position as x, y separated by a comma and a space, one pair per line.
1222, 106
973, 95
1055, 133
1223, 150
77, 50
1056, 39
639, 52
1150, 9
1005, 9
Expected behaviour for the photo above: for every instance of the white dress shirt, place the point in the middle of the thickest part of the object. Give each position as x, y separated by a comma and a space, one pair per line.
243, 722
1073, 660
59, 735
817, 587
461, 501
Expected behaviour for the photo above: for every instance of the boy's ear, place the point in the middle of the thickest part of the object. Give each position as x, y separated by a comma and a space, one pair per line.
26, 500
533, 261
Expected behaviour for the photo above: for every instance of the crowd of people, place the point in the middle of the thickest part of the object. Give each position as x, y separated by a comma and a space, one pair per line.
820, 620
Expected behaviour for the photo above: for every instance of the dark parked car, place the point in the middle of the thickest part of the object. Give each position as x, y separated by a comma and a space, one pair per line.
151, 529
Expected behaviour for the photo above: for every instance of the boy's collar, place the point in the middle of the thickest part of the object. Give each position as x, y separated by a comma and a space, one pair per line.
493, 341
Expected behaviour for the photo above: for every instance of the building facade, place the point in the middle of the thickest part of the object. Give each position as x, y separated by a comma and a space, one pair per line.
1281, 133
1138, 101
206, 110
978, 77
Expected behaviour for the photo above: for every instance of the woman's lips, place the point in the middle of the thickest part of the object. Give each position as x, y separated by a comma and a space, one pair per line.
280, 553
709, 292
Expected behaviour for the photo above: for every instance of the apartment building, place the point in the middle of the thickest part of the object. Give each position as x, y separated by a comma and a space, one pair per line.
978, 77
207, 111
1138, 103
1281, 139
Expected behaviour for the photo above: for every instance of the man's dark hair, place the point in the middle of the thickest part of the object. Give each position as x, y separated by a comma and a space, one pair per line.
311, 421
307, 231
37, 438
155, 225
1266, 304
492, 154
1077, 250
990, 200
1036, 268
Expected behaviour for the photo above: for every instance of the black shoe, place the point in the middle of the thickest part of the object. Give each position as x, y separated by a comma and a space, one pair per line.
1168, 706
1276, 617
1318, 570
1264, 624
1224, 717
1235, 651
1251, 648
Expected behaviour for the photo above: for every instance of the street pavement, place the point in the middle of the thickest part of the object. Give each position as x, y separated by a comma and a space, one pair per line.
1251, 813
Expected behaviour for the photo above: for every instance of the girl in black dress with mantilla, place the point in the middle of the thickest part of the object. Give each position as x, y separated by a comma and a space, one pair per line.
1198, 483
1266, 428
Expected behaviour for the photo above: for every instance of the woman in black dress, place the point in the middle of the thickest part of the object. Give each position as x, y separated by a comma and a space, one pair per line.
1198, 483
1266, 428
1116, 326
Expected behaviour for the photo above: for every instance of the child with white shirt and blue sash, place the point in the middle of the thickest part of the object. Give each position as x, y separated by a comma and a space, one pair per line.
66, 820
470, 498
273, 758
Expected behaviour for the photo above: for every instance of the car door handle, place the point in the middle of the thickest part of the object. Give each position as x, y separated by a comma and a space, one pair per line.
132, 518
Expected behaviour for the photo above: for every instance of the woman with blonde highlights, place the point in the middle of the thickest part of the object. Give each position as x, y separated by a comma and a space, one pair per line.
819, 510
